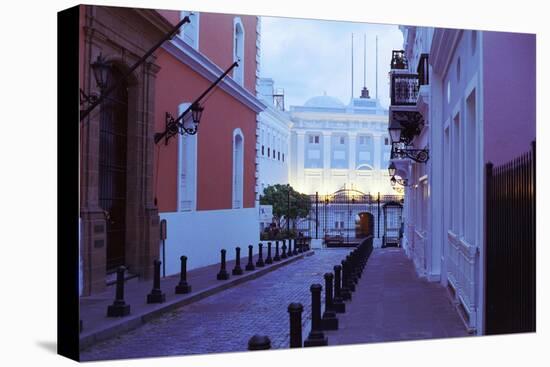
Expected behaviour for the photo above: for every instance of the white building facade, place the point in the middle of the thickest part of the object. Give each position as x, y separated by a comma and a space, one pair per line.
272, 146
475, 92
443, 214
334, 146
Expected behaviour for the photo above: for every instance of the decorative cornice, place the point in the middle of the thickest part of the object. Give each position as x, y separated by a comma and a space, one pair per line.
277, 115
210, 71
443, 45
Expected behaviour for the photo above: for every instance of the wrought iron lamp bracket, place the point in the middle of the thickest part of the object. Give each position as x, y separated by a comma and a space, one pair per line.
174, 126
87, 99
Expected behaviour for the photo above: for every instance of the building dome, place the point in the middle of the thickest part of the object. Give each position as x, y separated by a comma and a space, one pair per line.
324, 101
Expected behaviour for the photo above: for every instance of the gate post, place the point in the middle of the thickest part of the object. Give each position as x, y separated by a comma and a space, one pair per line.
316, 215
378, 203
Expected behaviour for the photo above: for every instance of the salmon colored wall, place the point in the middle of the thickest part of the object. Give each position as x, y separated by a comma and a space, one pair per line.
216, 41
176, 84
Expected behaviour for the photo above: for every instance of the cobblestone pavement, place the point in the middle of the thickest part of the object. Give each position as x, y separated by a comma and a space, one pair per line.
225, 321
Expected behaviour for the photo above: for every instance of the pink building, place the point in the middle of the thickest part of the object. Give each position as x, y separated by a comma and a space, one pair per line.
205, 184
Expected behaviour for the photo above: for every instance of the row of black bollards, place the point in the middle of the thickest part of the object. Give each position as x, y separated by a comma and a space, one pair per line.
338, 288
286, 252
120, 308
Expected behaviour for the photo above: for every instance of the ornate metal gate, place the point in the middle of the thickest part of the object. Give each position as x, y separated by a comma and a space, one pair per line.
392, 224
112, 169
345, 217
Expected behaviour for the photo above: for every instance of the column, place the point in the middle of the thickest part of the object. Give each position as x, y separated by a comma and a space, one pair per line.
327, 137
377, 150
352, 158
300, 148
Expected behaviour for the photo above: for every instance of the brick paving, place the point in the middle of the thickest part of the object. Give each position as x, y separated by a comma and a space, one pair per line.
225, 321
97, 326
391, 303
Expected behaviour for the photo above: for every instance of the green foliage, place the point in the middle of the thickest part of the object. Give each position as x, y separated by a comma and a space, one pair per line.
278, 197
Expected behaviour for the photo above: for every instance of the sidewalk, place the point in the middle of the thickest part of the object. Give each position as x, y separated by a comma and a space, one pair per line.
96, 326
391, 303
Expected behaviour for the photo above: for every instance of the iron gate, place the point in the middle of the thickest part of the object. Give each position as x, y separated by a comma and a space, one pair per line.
392, 224
112, 169
346, 216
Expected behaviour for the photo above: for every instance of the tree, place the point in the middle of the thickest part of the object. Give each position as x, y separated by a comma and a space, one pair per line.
277, 197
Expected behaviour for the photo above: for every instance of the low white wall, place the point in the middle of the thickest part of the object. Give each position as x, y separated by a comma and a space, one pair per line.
200, 235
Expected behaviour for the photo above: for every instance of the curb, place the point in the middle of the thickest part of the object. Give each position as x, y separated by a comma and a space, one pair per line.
131, 322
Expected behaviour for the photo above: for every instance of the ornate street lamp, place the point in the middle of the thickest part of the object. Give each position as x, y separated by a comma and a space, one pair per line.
395, 131
391, 169
100, 69
402, 131
180, 125
400, 181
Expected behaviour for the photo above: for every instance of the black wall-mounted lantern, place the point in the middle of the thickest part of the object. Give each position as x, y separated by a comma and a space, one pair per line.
178, 125
400, 181
391, 169
403, 129
100, 68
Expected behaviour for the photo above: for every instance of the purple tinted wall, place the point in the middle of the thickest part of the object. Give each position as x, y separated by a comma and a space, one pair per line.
509, 91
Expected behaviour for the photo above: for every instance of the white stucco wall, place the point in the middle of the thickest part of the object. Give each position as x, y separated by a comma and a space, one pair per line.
200, 235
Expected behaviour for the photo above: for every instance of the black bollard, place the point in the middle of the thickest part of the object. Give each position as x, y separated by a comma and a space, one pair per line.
276, 257
250, 265
259, 342
223, 274
337, 302
283, 252
295, 311
295, 251
260, 263
237, 270
119, 308
289, 254
269, 259
156, 295
330, 322
350, 274
300, 246
183, 287
345, 293
316, 338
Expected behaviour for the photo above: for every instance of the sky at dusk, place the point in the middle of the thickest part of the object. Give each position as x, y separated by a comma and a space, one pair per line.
310, 57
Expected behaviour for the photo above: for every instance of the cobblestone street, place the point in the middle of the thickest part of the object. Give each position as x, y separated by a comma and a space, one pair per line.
224, 322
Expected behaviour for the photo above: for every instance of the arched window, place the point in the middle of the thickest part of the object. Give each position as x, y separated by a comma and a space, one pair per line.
364, 167
187, 168
238, 168
189, 32
238, 50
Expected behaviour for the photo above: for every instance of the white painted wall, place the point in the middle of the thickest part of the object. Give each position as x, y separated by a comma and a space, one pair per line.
200, 235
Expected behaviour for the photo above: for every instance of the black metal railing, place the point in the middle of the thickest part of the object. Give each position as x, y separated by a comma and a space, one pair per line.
510, 240
343, 215
399, 60
404, 89
423, 70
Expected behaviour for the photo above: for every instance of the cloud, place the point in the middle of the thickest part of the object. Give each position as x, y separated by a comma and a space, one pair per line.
309, 57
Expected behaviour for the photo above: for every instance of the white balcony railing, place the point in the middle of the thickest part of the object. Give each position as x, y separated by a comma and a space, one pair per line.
461, 269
